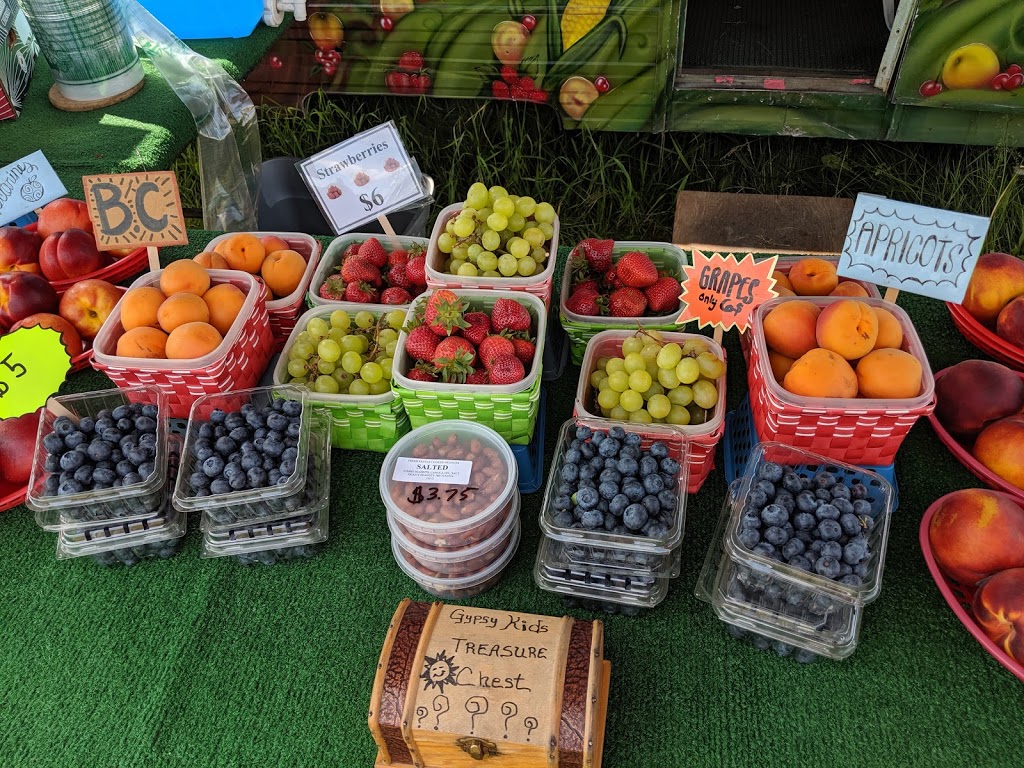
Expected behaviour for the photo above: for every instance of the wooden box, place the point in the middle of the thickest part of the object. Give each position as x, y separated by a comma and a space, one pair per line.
458, 685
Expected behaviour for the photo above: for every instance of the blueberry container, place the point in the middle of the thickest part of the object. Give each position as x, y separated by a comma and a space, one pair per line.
269, 543
126, 543
141, 498
600, 560
222, 411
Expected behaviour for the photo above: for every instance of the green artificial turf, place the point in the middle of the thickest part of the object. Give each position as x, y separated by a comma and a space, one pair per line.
192, 662
144, 133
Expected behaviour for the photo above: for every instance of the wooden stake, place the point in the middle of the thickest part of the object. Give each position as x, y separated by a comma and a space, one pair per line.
154, 258
891, 294
389, 231
717, 337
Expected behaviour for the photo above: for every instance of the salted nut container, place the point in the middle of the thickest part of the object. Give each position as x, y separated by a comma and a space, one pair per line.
458, 686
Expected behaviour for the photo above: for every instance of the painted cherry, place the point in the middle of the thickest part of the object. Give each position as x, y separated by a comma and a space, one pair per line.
930, 88
1015, 81
1001, 82
332, 57
1014, 69
330, 69
602, 84
319, 55
387, 23
530, 22
275, 62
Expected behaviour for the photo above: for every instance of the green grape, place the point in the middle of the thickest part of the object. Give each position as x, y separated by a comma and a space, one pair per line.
371, 373
467, 270
304, 337
496, 193
632, 344
491, 273
527, 266
317, 328
508, 265
490, 240
534, 237
614, 365
640, 381
477, 195
634, 361
471, 258
365, 319
697, 414
650, 352
460, 252
652, 369
343, 377
539, 254
504, 206
681, 395
667, 377
688, 370
351, 343
387, 335
516, 223
694, 347
544, 214
380, 387
608, 398
602, 362
299, 381
326, 385
619, 381
340, 319
359, 387
352, 362
710, 366
391, 348
518, 247
525, 206
483, 214
595, 378
487, 261
547, 229
475, 249
302, 351
297, 368
618, 413
336, 334
464, 227
396, 318
386, 366
329, 350
670, 355
659, 406
468, 210
654, 336
603, 384
445, 242
705, 394
631, 400
678, 415
364, 344
325, 367
654, 389
455, 266
497, 222
641, 416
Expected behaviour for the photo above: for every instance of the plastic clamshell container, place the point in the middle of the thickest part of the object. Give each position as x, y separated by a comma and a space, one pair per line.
539, 284
615, 561
459, 587
703, 438
269, 543
470, 516
463, 561
358, 422
600, 539
139, 499
121, 543
247, 504
331, 259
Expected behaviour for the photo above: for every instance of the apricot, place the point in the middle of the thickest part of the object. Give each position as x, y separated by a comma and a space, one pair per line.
890, 332
782, 281
889, 373
782, 290
273, 243
821, 373
145, 342
780, 364
192, 340
211, 260
184, 276
243, 251
851, 289
182, 308
282, 272
139, 307
789, 328
813, 277
847, 327
224, 302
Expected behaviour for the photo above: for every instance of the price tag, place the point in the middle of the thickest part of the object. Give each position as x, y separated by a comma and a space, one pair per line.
363, 178
912, 248
723, 291
135, 210
424, 493
427, 470
33, 365
27, 184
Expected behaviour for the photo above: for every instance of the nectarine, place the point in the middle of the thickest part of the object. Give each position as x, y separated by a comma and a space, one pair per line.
847, 327
975, 533
889, 373
17, 447
61, 215
1010, 323
999, 609
998, 278
973, 394
1000, 447
821, 373
23, 294
87, 304
19, 250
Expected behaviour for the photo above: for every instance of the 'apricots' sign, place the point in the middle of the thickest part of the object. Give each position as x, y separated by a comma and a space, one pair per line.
135, 210
723, 291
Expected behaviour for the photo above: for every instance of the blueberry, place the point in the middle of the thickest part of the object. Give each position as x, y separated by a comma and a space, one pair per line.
770, 471
54, 443
652, 504
670, 466
146, 469
610, 476
806, 503
850, 524
63, 426
792, 548
69, 487
99, 450
851, 580
213, 467
586, 498
239, 435
562, 503
273, 448
52, 462
858, 491
840, 491
827, 567
125, 425
749, 537
827, 512
198, 480
573, 456
765, 550
220, 485
260, 433
112, 435
592, 519
131, 478
286, 468
635, 517
657, 530
137, 456
751, 520
768, 488
801, 562
648, 465
235, 457
845, 506
824, 479
633, 489
566, 488
277, 421
658, 450
570, 473
145, 424
815, 546
773, 514
273, 477
202, 454
628, 466
862, 569
845, 570
829, 530
563, 519
832, 549
653, 484
791, 482
631, 452
588, 472
290, 454
255, 420
257, 477
120, 412
775, 536
855, 552
610, 521
785, 500
72, 460
75, 439
84, 474
862, 507
225, 446
617, 432
757, 499
51, 485
206, 431
587, 450
668, 500
609, 447
824, 494
597, 463
584, 433
608, 490
618, 504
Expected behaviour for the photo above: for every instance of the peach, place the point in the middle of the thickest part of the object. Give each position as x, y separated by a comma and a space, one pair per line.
282, 271
999, 608
224, 302
145, 342
19, 250
975, 533
1000, 447
780, 364
813, 277
182, 308
821, 373
23, 294
782, 281
184, 276
87, 304
975, 393
998, 278
61, 215
72, 253
889, 373
139, 307
851, 289
789, 328
68, 335
211, 260
273, 243
890, 332
192, 340
243, 251
1010, 323
847, 327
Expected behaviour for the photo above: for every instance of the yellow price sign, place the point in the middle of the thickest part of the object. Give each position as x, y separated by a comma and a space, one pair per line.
33, 364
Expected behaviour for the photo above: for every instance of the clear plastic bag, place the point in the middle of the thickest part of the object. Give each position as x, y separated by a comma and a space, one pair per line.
229, 140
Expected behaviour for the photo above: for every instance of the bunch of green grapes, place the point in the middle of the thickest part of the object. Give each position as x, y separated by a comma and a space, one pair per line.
334, 358
658, 383
497, 235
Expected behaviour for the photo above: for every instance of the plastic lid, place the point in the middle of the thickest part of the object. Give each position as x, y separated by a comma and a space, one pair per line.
458, 583
448, 477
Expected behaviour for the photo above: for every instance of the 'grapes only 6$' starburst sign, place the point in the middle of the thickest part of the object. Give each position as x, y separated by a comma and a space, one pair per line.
723, 291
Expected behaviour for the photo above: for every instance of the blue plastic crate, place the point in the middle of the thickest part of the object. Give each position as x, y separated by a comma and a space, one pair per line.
530, 458
741, 436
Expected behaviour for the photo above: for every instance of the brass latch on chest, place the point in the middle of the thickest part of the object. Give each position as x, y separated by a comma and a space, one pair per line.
476, 748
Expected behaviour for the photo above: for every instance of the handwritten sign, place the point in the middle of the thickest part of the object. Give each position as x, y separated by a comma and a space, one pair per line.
135, 210
363, 178
33, 364
912, 248
27, 184
722, 291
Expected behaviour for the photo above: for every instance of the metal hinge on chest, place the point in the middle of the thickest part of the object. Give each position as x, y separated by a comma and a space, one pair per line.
477, 748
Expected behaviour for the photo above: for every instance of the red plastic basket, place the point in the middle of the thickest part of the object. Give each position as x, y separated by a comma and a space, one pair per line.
857, 430
984, 339
285, 311
959, 599
122, 269
11, 496
963, 455
237, 363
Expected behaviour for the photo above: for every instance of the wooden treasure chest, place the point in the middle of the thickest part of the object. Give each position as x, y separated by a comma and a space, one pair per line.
457, 685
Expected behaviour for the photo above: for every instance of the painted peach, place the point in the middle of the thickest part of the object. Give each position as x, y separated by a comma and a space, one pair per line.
889, 373
145, 342
184, 276
139, 307
224, 302
243, 251
789, 328
192, 340
813, 277
847, 327
182, 308
821, 373
890, 332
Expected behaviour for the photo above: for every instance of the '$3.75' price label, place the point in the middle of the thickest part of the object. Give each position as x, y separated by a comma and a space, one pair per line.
33, 364
434, 493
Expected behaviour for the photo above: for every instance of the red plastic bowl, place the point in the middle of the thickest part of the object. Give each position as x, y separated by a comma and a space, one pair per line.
963, 455
958, 598
122, 269
984, 339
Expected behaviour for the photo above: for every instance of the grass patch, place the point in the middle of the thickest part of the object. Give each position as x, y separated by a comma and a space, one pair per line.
623, 185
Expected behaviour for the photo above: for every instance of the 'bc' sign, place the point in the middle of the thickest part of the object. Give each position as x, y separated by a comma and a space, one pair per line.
133, 210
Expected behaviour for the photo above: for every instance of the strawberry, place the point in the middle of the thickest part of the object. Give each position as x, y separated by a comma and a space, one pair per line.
611, 279
506, 369
357, 270
361, 293
636, 270
663, 296
509, 315
420, 343
443, 314
421, 373
479, 327
395, 295
454, 357
597, 254
352, 250
627, 302
586, 303
478, 376
493, 347
333, 288
398, 256
525, 350
587, 286
410, 61
373, 252
416, 270
398, 278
